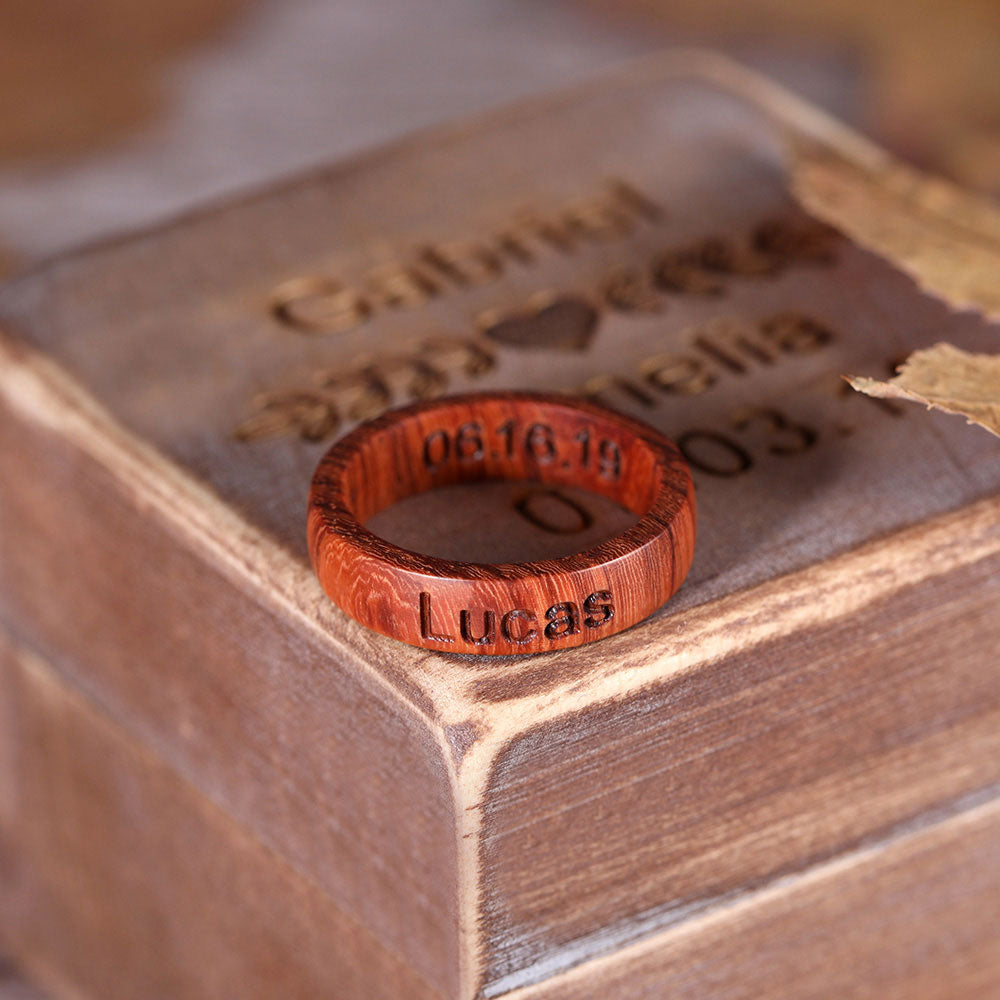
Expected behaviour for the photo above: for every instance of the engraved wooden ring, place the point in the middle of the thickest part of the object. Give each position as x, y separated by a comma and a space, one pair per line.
501, 608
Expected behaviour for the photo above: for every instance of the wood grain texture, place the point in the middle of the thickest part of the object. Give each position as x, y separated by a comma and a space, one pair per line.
824, 679
14, 987
122, 880
497, 608
741, 773
911, 919
269, 720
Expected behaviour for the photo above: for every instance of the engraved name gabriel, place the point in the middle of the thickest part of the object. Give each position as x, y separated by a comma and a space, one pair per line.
316, 408
518, 626
324, 304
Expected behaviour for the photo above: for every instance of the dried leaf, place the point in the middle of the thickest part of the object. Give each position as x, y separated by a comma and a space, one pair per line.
947, 239
946, 378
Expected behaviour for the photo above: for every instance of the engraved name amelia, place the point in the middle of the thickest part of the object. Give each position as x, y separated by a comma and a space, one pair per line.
518, 626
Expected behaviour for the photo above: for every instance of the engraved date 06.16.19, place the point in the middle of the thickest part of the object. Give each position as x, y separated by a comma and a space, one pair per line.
537, 444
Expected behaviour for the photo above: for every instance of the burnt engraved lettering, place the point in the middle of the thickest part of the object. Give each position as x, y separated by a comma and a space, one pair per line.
598, 608
322, 304
632, 197
726, 347
678, 374
797, 239
512, 246
563, 620
629, 291
710, 356
531, 506
714, 453
469, 442
456, 353
539, 442
515, 633
488, 637
732, 256
600, 219
506, 431
427, 624
309, 414
407, 375
361, 393
597, 386
678, 271
399, 287
541, 229
317, 304
437, 448
793, 438
464, 262
610, 459
717, 454
731, 343
796, 333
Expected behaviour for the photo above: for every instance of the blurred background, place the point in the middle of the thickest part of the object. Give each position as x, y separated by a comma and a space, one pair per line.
118, 114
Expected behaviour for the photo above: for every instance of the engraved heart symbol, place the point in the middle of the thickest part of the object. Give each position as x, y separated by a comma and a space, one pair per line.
566, 323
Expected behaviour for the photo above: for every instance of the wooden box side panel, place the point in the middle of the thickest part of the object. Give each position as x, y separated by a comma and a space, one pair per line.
13, 986
326, 767
121, 880
641, 813
915, 919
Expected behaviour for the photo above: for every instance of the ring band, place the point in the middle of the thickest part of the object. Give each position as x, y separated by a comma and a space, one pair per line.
528, 607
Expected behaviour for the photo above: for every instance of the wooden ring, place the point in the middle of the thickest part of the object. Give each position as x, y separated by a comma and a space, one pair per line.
507, 607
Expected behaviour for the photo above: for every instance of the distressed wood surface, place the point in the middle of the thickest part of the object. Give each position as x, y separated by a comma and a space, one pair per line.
498, 607
125, 880
912, 918
13, 986
270, 718
743, 772
822, 682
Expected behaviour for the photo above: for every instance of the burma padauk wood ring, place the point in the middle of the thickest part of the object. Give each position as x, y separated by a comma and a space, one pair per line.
505, 607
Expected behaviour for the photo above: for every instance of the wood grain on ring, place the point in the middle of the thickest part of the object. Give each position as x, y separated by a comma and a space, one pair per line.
505, 607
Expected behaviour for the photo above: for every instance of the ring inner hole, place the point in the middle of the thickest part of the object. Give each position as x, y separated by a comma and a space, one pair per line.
551, 482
